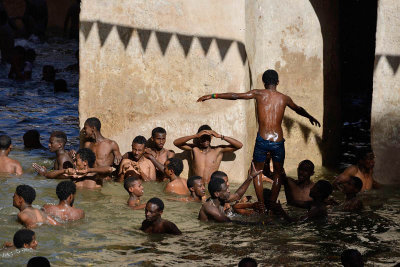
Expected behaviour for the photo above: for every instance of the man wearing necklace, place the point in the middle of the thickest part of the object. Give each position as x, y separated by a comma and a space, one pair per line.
28, 216
64, 210
206, 158
213, 208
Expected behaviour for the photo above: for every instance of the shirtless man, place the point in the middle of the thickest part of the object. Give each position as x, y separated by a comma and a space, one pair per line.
8, 165
363, 170
65, 191
106, 150
153, 223
271, 107
135, 160
57, 143
173, 168
206, 158
213, 209
133, 185
157, 153
28, 216
351, 189
299, 190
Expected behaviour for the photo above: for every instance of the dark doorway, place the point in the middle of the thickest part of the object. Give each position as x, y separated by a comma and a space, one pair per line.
357, 30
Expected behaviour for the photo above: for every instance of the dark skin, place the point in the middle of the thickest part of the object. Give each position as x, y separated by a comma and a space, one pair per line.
65, 210
135, 160
351, 203
56, 145
8, 165
197, 193
271, 107
158, 154
154, 224
135, 192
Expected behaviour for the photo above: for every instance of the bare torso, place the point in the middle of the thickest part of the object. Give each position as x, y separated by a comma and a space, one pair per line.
61, 159
103, 151
298, 192
145, 165
177, 186
90, 181
366, 178
31, 217
206, 161
8, 165
64, 212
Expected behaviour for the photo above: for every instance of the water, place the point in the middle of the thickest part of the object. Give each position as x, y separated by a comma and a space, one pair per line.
109, 234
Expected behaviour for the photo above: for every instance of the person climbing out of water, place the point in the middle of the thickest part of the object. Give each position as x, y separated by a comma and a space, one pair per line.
270, 110
29, 216
8, 165
133, 185
363, 169
23, 238
65, 211
206, 158
153, 223
32, 140
213, 208
351, 189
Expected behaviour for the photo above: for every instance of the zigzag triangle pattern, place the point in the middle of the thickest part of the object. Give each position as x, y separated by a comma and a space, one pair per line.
125, 34
394, 62
163, 39
104, 30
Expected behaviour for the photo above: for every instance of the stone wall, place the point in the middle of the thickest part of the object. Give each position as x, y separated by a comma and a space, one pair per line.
385, 119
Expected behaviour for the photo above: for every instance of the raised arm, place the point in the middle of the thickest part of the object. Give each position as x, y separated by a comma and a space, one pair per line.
150, 154
302, 112
242, 189
229, 96
182, 142
56, 174
233, 143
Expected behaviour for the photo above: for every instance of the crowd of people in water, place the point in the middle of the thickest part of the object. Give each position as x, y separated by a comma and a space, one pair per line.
99, 160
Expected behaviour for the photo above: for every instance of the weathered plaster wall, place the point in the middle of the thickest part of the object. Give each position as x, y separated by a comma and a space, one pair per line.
385, 119
145, 63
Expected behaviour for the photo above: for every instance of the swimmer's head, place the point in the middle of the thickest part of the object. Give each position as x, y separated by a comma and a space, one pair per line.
353, 186
270, 77
173, 166
32, 139
158, 136
196, 186
23, 194
204, 141
38, 261
352, 258
247, 262
218, 189
305, 170
57, 141
25, 238
138, 147
221, 175
5, 142
154, 209
91, 126
365, 158
85, 158
48, 73
60, 85
321, 190
66, 191
133, 185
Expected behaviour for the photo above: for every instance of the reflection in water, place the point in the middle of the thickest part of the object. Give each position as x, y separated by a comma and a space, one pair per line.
109, 234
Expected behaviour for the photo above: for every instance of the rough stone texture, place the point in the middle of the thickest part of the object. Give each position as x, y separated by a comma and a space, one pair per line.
385, 120
144, 64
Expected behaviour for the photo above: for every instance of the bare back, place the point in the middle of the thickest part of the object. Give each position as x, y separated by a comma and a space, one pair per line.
31, 218
8, 165
64, 212
177, 186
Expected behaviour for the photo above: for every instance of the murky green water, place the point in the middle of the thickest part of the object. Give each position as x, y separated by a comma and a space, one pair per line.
109, 234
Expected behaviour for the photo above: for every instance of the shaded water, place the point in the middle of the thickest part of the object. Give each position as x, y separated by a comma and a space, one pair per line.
109, 234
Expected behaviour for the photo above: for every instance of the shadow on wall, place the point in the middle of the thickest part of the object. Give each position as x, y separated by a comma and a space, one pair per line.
163, 38
393, 60
305, 129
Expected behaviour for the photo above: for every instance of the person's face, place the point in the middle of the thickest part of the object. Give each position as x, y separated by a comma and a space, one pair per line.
33, 244
17, 200
159, 140
304, 173
205, 141
199, 188
369, 161
225, 178
152, 212
224, 193
88, 131
54, 145
137, 150
137, 188
80, 164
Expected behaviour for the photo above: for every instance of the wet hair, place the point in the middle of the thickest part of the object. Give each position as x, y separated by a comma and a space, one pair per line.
26, 192
128, 182
266, 195
190, 181
65, 189
270, 77
94, 122
215, 185
30, 55
60, 136
357, 182
32, 139
49, 69
204, 127
140, 139
22, 237
60, 85
38, 261
87, 154
131, 173
158, 202
176, 165
157, 130
324, 188
247, 262
5, 142
218, 174
352, 258
307, 164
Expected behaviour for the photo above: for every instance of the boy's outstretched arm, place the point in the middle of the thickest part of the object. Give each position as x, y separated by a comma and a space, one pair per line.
302, 112
229, 96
